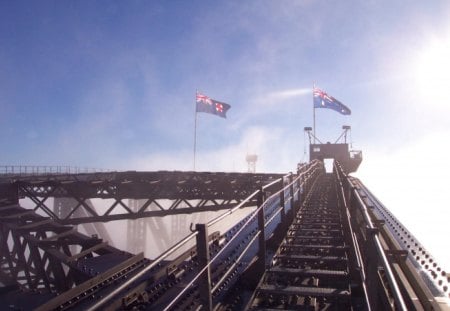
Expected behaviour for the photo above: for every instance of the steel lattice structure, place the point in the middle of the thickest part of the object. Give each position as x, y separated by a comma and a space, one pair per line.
313, 241
160, 193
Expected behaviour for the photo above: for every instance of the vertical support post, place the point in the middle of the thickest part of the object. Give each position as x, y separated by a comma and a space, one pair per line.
40, 272
314, 124
62, 281
347, 189
293, 204
10, 194
195, 139
203, 260
195, 129
283, 203
314, 114
370, 260
262, 231
307, 181
22, 261
4, 248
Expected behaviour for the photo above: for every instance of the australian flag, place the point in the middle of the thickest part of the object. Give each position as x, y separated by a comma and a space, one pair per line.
209, 105
323, 100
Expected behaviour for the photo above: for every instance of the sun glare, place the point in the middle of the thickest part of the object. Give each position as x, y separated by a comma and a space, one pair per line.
433, 72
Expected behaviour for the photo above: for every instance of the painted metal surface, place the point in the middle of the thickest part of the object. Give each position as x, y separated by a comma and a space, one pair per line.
314, 241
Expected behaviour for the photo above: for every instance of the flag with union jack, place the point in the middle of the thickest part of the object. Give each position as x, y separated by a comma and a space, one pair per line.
323, 100
209, 105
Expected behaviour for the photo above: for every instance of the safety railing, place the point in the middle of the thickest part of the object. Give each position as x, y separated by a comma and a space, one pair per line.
275, 203
409, 275
426, 278
271, 205
368, 238
32, 170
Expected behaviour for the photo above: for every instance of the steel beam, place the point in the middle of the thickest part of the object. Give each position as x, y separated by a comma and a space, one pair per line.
159, 193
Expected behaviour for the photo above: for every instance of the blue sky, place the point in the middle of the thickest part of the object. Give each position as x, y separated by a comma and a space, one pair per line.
111, 84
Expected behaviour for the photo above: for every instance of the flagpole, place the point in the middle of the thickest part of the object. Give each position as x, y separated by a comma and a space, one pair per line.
314, 115
195, 128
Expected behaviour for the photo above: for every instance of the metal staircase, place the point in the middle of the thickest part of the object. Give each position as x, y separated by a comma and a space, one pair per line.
311, 269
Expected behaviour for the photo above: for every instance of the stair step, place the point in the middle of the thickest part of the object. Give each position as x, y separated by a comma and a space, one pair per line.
312, 258
309, 272
314, 230
336, 226
317, 246
308, 237
324, 222
303, 291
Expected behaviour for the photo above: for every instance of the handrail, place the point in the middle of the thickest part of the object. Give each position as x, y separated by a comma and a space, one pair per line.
241, 204
236, 263
32, 170
186, 287
250, 218
272, 183
312, 167
232, 210
170, 251
354, 240
398, 297
420, 268
390, 275
141, 273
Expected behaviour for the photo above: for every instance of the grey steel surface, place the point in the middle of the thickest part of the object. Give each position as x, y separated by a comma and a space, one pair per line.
314, 242
159, 193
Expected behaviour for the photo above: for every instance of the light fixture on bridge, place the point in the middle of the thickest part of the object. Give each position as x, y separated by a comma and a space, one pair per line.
345, 128
308, 130
251, 161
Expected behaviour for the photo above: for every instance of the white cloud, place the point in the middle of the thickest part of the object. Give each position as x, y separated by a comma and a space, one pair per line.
288, 94
272, 145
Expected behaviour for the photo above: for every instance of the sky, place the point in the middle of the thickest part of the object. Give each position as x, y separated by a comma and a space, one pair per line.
112, 84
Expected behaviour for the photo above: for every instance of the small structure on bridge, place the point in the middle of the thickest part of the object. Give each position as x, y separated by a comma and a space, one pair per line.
339, 151
251, 161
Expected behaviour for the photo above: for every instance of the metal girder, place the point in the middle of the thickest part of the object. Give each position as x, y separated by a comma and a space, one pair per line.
98, 228
77, 295
37, 253
156, 208
159, 193
176, 284
8, 193
146, 185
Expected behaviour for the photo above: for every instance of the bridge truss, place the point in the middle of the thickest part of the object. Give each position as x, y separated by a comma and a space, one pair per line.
313, 241
159, 193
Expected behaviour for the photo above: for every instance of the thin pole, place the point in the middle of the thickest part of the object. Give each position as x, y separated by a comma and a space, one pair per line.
314, 124
195, 128
314, 115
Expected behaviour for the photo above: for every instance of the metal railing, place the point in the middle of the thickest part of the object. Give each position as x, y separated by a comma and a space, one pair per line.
414, 279
429, 281
275, 205
370, 239
32, 170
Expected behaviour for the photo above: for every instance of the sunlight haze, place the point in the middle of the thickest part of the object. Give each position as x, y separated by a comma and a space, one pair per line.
112, 84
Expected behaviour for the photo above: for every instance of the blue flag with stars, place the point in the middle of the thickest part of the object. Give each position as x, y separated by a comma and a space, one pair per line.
209, 105
323, 100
